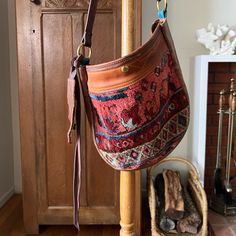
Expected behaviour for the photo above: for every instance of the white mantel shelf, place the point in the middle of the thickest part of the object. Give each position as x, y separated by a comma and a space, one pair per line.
218, 58
199, 88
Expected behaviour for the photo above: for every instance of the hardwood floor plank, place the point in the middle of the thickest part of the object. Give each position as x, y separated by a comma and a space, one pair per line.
11, 223
9, 207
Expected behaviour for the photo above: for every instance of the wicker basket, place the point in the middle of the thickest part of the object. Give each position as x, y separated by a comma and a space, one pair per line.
197, 192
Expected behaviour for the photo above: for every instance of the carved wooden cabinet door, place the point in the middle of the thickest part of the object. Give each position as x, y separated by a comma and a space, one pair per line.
48, 34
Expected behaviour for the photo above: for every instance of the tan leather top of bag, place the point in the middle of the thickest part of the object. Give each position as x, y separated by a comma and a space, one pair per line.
127, 70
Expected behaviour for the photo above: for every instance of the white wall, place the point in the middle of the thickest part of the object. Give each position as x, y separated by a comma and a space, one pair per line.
14, 96
184, 17
6, 136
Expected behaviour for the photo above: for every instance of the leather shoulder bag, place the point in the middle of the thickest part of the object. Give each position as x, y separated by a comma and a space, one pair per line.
138, 105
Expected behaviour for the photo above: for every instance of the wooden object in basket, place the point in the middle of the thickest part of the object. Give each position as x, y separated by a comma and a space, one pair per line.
174, 203
197, 192
165, 223
191, 219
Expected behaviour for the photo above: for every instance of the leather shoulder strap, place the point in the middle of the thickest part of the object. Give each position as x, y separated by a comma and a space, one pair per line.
87, 37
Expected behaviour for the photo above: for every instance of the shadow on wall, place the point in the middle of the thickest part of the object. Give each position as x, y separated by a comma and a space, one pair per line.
6, 136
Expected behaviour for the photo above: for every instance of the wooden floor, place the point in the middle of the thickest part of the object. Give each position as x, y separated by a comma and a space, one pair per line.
11, 224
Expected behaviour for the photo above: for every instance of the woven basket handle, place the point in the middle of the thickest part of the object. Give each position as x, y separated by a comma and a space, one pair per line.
193, 169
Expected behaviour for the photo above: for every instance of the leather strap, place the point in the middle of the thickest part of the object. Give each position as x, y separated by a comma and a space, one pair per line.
77, 93
87, 37
74, 94
76, 184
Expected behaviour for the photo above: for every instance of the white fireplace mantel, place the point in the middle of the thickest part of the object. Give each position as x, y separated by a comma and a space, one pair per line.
199, 88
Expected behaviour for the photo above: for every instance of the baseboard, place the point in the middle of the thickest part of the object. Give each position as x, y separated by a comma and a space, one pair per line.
5, 197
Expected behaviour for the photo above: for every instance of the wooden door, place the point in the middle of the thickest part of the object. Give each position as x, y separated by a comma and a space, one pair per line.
48, 34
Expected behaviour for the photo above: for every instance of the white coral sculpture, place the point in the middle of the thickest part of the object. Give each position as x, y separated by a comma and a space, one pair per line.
220, 39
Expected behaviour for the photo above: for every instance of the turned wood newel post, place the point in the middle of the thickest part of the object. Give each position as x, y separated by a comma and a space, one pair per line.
127, 178
127, 27
127, 203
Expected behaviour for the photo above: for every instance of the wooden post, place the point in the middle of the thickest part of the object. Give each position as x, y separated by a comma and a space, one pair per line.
127, 178
127, 203
127, 27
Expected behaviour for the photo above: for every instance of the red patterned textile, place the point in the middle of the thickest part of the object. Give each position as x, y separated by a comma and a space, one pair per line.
136, 126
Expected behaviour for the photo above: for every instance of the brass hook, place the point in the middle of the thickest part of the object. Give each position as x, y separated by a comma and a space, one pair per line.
81, 47
162, 13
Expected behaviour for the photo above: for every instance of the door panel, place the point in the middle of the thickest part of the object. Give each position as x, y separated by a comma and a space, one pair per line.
59, 30
57, 51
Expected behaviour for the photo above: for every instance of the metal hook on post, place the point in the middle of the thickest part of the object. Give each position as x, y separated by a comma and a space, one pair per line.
162, 12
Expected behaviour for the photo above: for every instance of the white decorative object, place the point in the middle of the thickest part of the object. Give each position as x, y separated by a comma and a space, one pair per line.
220, 39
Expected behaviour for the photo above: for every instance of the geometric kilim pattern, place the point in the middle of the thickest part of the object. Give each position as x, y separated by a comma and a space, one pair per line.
153, 151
